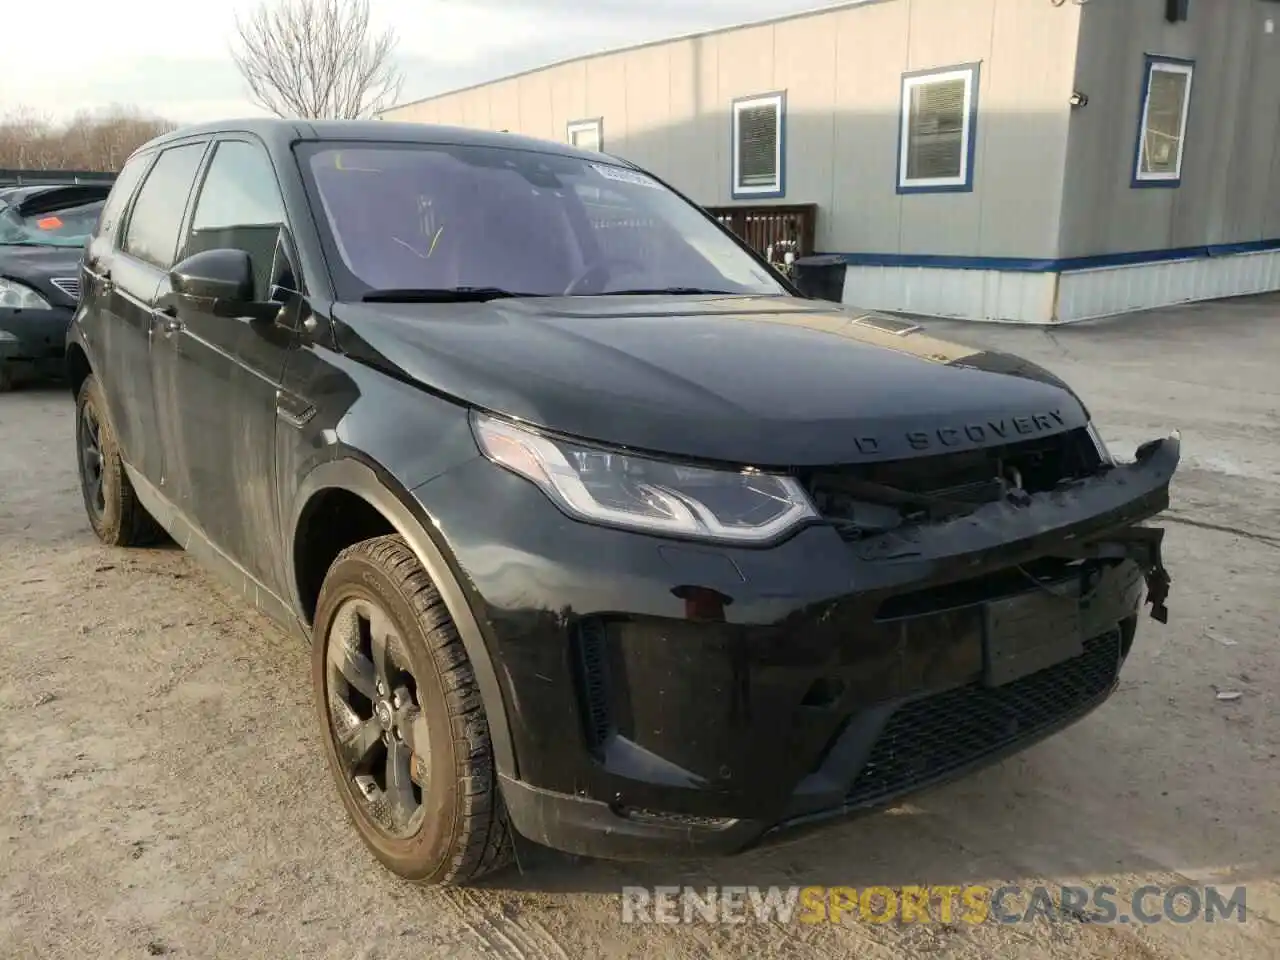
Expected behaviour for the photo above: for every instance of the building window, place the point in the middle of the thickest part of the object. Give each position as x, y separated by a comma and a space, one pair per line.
1162, 125
587, 134
759, 146
938, 130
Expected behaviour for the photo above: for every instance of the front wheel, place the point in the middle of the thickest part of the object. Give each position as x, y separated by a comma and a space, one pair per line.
406, 735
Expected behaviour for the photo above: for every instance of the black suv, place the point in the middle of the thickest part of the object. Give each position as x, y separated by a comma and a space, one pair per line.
600, 532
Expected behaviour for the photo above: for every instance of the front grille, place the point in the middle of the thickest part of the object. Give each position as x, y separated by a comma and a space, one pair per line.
928, 739
969, 476
676, 819
68, 285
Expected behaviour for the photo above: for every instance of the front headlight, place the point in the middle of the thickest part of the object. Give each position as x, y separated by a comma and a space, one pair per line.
18, 296
643, 494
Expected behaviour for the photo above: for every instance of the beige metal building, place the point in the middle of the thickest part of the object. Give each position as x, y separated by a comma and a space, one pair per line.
1033, 160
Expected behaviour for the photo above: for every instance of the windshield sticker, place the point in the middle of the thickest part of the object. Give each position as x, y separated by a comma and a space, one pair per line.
623, 175
49, 223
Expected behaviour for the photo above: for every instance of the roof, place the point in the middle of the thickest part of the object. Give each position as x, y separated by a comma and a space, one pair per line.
798, 15
280, 134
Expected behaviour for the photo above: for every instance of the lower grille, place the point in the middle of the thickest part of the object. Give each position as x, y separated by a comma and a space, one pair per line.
677, 819
928, 739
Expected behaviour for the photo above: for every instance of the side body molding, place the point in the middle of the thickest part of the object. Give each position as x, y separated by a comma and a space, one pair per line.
358, 478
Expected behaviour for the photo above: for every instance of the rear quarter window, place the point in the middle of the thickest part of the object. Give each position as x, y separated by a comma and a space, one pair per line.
118, 200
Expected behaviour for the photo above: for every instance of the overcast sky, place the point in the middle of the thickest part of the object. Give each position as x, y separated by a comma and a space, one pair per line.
171, 58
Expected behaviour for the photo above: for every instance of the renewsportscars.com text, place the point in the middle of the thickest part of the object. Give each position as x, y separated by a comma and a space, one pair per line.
970, 904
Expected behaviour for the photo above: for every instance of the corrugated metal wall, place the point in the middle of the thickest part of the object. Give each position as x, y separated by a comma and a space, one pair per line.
1230, 188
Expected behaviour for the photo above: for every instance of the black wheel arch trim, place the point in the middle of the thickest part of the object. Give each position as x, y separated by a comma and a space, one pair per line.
358, 478
75, 342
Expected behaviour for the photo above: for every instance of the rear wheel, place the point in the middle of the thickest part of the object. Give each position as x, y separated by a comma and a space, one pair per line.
406, 735
114, 512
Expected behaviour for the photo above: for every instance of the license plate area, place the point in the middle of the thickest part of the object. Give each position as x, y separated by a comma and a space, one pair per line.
1031, 631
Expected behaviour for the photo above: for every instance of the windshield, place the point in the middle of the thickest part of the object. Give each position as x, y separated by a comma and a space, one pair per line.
68, 226
405, 217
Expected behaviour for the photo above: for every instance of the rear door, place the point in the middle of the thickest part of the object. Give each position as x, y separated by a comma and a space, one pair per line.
217, 376
118, 349
140, 268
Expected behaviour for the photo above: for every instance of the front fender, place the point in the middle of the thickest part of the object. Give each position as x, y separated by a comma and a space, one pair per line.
400, 510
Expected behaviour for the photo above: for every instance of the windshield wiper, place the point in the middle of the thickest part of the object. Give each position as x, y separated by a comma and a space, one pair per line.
669, 292
441, 295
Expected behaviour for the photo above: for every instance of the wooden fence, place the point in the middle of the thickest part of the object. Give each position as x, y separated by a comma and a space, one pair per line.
766, 224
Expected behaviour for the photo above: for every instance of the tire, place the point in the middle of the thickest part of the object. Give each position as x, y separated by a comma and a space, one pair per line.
115, 514
460, 832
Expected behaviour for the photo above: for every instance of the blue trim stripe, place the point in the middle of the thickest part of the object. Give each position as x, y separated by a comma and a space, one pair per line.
1061, 265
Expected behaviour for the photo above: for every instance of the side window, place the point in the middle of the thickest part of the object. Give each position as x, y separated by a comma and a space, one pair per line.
240, 207
152, 234
239, 190
121, 192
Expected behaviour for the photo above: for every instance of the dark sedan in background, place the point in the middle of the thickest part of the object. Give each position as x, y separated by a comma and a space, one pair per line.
43, 229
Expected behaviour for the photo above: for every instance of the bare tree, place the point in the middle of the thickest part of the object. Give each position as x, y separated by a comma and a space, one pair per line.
88, 141
317, 59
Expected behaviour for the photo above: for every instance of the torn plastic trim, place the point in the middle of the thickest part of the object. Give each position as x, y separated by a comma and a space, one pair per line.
1142, 545
1060, 522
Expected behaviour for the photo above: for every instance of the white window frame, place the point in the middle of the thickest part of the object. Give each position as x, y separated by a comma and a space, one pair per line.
969, 74
594, 125
778, 188
1154, 65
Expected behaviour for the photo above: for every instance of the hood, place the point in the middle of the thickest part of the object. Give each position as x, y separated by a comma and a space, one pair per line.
765, 381
38, 266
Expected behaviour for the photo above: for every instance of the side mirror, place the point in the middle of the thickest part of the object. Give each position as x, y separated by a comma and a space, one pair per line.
224, 274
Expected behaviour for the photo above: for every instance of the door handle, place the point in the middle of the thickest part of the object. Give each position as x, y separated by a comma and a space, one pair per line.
169, 321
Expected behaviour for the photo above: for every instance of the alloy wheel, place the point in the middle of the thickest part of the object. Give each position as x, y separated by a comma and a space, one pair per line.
89, 437
376, 718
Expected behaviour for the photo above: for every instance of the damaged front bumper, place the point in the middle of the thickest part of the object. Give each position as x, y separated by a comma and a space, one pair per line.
1092, 518
671, 699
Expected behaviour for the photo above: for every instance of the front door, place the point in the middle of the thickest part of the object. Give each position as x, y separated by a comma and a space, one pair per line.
216, 377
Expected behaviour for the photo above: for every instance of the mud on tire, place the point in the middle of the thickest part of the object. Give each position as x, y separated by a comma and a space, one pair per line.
462, 832
115, 514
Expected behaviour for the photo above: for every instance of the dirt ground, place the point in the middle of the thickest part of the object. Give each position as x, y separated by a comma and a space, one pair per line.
163, 790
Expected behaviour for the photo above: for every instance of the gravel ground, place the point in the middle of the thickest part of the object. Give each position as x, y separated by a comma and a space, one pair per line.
164, 792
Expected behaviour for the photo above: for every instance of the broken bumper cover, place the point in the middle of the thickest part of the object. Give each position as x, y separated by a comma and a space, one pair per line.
671, 700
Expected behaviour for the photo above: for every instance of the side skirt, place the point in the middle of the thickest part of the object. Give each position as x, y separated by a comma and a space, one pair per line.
193, 540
